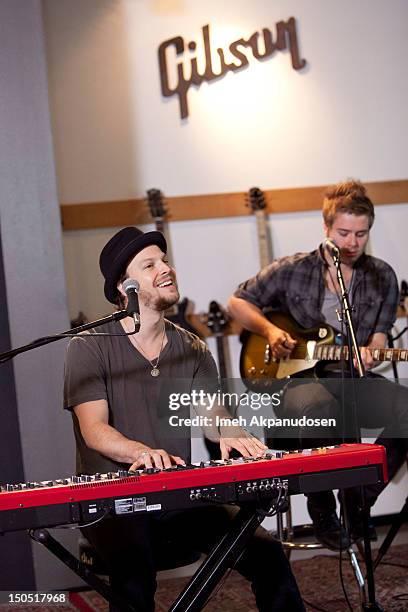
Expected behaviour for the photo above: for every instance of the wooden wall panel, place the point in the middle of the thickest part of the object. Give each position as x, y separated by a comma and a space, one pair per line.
180, 208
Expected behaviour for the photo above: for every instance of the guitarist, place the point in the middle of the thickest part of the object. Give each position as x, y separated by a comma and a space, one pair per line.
305, 287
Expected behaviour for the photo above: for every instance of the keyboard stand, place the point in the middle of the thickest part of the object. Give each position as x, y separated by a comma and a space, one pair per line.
199, 589
223, 556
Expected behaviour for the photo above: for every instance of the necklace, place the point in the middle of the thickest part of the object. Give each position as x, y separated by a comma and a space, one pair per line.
155, 363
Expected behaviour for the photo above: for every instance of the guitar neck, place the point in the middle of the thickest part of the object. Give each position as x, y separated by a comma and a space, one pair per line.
221, 356
264, 245
162, 226
331, 352
159, 225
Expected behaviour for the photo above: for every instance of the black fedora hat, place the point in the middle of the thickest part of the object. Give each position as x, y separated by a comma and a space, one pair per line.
120, 249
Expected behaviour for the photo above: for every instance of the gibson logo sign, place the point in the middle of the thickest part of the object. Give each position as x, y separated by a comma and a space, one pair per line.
286, 37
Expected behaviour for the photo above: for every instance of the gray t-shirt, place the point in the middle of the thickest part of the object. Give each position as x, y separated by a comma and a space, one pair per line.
332, 302
111, 368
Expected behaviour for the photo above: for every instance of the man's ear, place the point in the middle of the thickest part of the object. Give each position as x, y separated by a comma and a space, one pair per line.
119, 287
325, 229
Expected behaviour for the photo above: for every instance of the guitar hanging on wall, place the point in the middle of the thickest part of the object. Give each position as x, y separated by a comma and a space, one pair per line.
257, 205
217, 322
177, 313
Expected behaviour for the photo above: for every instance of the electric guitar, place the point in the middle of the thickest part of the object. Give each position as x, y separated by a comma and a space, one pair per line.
257, 205
177, 313
314, 345
217, 321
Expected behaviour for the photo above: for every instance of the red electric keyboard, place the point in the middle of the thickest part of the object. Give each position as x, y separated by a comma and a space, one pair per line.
257, 485
83, 499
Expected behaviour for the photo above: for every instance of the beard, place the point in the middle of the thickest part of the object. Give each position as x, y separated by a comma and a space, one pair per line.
157, 302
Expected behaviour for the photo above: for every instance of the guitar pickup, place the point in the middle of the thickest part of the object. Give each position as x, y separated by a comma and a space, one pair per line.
267, 354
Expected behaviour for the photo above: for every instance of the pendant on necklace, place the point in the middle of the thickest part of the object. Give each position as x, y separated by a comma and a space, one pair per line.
155, 372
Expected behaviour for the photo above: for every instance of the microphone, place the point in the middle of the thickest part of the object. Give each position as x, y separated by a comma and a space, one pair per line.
332, 247
131, 288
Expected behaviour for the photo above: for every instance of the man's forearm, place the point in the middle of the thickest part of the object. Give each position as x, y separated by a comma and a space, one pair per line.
217, 425
111, 443
249, 316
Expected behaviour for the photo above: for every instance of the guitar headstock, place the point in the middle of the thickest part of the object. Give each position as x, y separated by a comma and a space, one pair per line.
256, 199
217, 319
156, 204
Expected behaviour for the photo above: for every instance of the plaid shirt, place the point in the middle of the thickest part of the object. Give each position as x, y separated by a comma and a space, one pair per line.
295, 286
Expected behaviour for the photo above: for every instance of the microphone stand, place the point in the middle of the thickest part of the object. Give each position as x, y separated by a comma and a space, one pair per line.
354, 351
42, 535
116, 316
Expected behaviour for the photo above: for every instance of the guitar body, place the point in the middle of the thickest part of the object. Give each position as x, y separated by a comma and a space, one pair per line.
257, 367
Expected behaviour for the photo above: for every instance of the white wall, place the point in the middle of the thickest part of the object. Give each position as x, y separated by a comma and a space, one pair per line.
270, 125
116, 136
